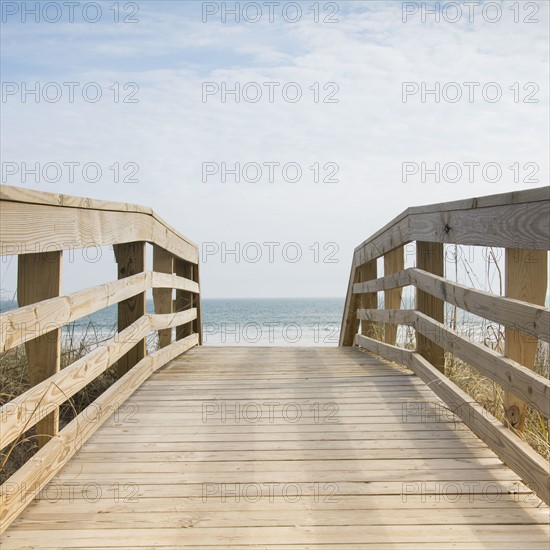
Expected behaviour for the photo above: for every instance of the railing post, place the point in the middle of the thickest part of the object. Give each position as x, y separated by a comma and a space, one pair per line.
429, 257
526, 279
394, 261
198, 303
163, 262
350, 323
130, 258
184, 299
39, 278
369, 300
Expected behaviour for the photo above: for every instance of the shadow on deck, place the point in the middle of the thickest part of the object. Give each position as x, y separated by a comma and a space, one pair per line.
283, 448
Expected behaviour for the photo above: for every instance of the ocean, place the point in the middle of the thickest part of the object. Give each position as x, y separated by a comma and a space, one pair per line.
237, 322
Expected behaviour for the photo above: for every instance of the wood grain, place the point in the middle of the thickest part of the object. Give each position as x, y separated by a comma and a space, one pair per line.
130, 258
526, 273
394, 262
163, 262
430, 258
39, 278
362, 483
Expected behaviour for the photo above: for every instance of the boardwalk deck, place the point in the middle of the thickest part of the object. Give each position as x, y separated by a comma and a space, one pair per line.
243, 447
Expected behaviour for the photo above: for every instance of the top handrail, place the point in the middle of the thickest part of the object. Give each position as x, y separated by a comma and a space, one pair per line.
127, 222
499, 220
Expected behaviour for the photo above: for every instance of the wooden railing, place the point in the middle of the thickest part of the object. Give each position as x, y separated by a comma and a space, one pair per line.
38, 227
518, 222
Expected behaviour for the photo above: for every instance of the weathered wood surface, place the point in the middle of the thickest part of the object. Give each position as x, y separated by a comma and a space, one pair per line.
26, 323
30, 218
520, 316
130, 258
518, 454
526, 273
19, 490
512, 376
369, 300
30, 407
430, 258
374, 457
39, 278
394, 262
163, 262
520, 219
350, 324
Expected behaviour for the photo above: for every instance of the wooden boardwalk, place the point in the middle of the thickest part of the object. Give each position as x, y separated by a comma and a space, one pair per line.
244, 447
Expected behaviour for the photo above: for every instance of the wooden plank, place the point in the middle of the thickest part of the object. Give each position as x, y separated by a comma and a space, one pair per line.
300, 536
40, 469
163, 262
514, 452
33, 405
429, 257
368, 272
26, 323
520, 316
526, 273
171, 320
391, 281
39, 278
350, 324
523, 225
532, 387
28, 216
387, 351
24, 411
184, 300
32, 196
197, 302
512, 220
387, 476
130, 258
394, 262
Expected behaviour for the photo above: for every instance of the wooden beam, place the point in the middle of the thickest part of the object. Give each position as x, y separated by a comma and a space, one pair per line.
32, 477
30, 407
163, 262
130, 258
39, 278
394, 262
510, 374
369, 300
198, 303
517, 219
350, 324
26, 323
26, 228
429, 257
512, 450
526, 273
520, 316
184, 300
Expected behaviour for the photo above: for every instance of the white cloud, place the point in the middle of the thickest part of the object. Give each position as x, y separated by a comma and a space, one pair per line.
369, 133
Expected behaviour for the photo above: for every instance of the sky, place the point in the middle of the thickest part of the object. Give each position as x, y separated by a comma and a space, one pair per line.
344, 112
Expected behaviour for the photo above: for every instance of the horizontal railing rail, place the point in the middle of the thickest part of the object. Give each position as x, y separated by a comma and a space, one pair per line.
520, 223
38, 227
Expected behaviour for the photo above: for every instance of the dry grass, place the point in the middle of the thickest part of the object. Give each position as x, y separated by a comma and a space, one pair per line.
490, 395
14, 381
